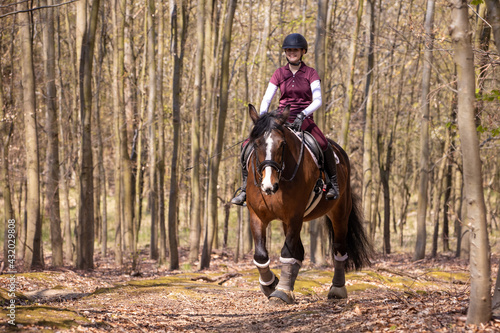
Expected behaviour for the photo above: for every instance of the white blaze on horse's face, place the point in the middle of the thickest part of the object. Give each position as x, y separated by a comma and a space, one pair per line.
267, 185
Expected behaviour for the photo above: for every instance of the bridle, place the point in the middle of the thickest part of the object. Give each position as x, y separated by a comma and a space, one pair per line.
260, 166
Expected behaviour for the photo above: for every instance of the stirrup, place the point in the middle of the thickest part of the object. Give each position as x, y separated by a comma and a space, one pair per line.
333, 192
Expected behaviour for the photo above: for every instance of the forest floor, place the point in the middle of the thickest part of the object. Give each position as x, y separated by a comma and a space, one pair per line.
394, 294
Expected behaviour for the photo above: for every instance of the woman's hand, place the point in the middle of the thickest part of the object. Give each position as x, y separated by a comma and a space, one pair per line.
297, 123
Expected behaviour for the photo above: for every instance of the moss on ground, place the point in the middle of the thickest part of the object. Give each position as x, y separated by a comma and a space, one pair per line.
47, 317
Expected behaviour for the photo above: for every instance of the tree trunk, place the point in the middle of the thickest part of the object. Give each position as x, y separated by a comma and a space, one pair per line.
153, 195
368, 116
161, 137
195, 232
33, 256
316, 226
344, 132
493, 7
214, 168
177, 55
480, 296
51, 128
85, 244
424, 135
63, 180
125, 163
10, 223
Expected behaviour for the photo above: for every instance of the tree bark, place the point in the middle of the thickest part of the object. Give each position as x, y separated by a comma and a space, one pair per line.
195, 232
85, 244
153, 194
51, 128
424, 135
33, 256
368, 115
480, 295
177, 52
161, 137
493, 7
6, 129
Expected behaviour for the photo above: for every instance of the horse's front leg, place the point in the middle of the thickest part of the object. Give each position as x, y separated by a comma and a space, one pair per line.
267, 279
292, 255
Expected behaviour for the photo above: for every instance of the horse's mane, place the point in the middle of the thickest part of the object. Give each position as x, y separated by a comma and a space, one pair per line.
266, 122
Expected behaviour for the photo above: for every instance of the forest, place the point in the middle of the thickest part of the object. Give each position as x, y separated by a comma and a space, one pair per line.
121, 124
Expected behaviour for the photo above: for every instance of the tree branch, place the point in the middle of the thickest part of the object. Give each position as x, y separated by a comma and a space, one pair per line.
36, 8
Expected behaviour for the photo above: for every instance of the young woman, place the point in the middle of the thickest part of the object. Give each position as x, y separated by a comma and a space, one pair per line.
300, 88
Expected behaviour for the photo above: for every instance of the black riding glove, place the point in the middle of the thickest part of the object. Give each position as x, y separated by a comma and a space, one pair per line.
297, 123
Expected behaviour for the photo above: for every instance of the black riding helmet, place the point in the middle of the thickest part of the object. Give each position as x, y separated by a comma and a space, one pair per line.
295, 41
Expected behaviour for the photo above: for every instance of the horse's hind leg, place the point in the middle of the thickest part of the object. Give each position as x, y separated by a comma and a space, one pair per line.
292, 255
338, 289
267, 279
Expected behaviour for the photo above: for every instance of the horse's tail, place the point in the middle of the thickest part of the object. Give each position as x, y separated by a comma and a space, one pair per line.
359, 248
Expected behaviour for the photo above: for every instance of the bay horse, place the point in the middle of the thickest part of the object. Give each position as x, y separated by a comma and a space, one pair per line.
281, 178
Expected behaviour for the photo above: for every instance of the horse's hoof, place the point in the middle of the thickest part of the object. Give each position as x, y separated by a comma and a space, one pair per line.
280, 296
268, 290
337, 292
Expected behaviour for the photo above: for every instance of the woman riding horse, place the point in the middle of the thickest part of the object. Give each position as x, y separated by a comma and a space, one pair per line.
283, 184
300, 88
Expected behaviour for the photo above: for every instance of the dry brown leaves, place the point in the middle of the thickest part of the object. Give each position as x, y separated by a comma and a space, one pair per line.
226, 298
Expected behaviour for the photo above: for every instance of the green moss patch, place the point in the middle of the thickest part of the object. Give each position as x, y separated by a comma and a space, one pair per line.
47, 317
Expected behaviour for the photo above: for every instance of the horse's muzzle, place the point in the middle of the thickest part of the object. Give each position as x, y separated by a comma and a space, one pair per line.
270, 190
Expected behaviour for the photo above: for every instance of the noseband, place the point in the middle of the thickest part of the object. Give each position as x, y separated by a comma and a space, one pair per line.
260, 166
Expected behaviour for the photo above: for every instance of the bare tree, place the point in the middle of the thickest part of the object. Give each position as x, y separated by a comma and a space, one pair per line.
6, 128
195, 232
33, 255
368, 115
85, 243
51, 128
494, 19
424, 135
480, 295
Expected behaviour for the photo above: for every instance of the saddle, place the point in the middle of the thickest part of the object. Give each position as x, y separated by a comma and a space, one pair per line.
317, 154
314, 148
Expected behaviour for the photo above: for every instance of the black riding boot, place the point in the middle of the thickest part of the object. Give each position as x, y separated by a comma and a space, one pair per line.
241, 197
331, 171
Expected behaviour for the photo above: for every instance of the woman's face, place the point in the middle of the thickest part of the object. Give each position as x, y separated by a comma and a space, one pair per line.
294, 55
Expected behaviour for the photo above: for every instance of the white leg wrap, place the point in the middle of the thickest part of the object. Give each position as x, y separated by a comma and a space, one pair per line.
343, 258
262, 265
269, 282
290, 261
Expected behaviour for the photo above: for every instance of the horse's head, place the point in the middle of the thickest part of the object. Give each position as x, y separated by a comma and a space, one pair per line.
269, 143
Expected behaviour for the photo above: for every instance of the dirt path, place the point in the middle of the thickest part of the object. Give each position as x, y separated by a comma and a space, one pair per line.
393, 295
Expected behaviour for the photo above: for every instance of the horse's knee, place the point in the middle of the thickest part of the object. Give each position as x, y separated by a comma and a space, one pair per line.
261, 258
340, 249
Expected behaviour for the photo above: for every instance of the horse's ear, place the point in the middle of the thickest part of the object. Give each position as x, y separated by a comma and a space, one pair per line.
285, 114
253, 113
